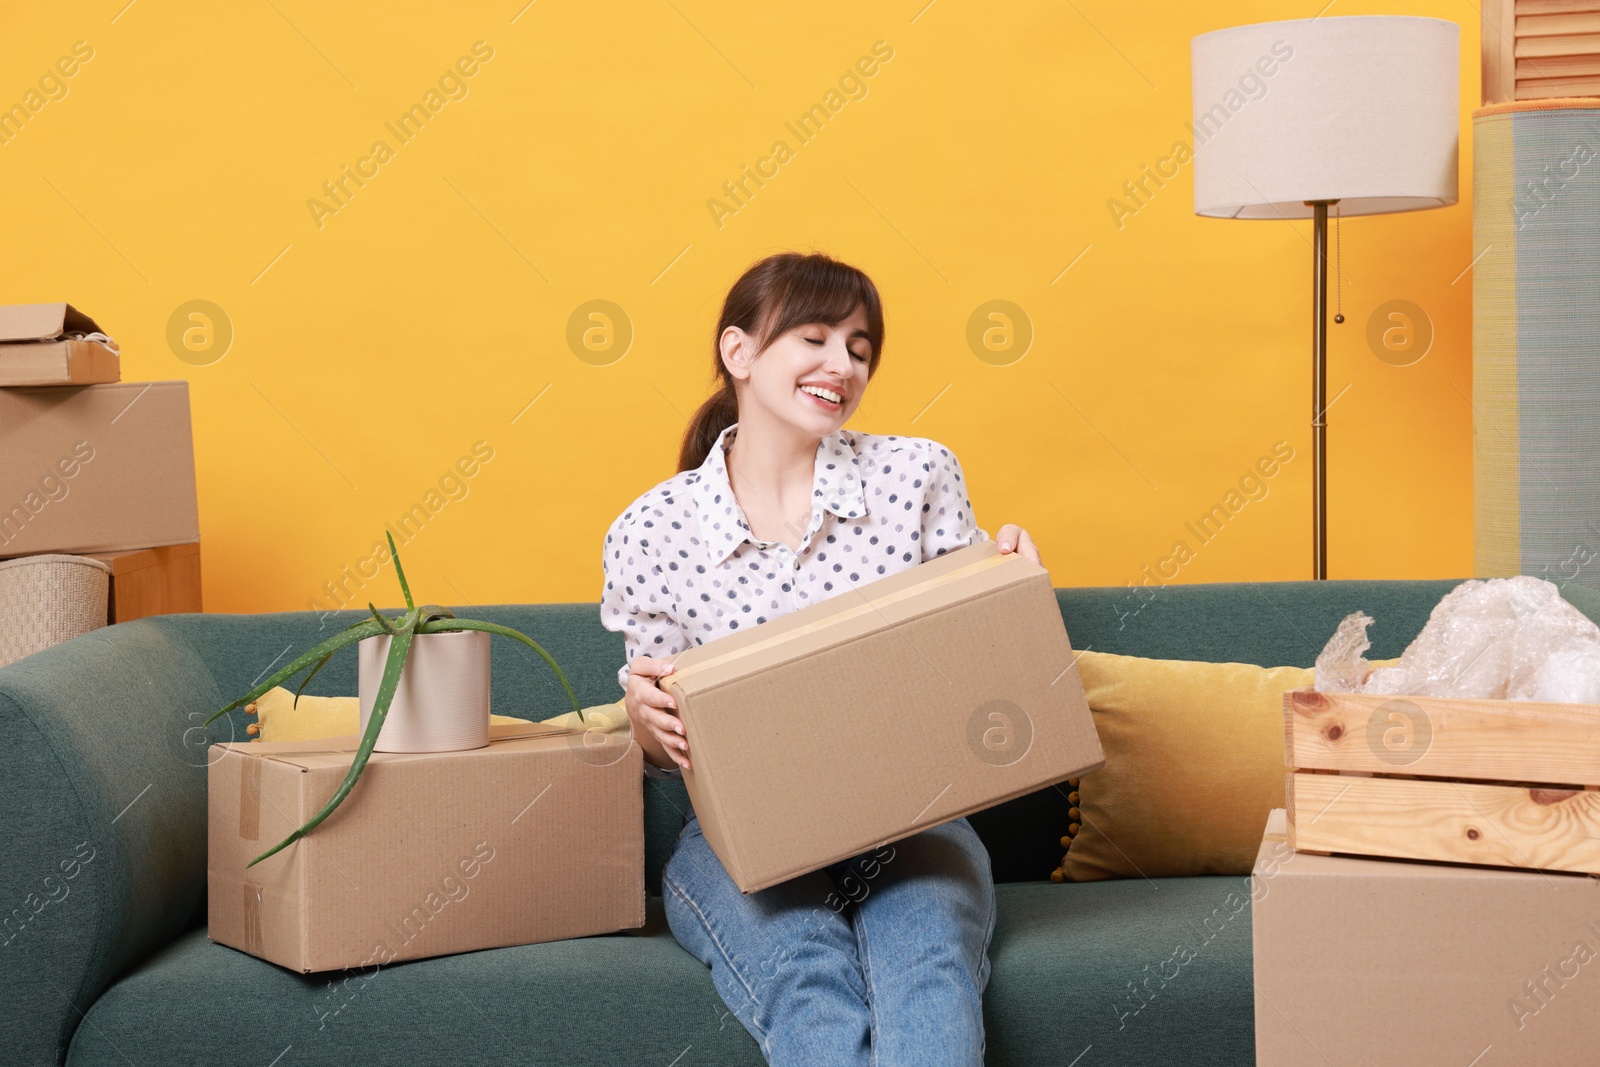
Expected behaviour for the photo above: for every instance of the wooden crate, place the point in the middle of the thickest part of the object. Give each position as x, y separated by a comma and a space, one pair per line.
1507, 783
1540, 49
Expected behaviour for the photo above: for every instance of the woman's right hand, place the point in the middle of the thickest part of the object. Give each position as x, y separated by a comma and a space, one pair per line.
653, 712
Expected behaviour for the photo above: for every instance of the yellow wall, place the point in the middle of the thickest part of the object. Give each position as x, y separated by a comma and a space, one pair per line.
376, 344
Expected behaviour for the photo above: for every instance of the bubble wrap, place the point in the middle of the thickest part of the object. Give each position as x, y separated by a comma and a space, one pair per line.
1497, 639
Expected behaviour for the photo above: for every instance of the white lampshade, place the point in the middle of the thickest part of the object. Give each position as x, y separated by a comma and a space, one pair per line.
1363, 109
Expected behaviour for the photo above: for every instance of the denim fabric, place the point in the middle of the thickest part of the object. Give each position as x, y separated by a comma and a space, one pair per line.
877, 959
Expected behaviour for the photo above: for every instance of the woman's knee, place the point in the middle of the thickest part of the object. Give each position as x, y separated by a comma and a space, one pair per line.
972, 846
950, 852
768, 937
936, 894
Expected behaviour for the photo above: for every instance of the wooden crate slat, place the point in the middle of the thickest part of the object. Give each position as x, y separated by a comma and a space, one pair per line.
1545, 88
1557, 67
1452, 822
1569, 45
1555, 7
1557, 25
1504, 740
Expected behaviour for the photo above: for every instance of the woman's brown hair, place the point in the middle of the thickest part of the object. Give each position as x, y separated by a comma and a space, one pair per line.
772, 297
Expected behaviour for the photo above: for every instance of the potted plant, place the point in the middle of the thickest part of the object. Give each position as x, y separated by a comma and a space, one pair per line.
400, 634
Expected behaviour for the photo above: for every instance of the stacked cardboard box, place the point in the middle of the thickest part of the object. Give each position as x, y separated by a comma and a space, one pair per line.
537, 837
1363, 960
54, 344
94, 465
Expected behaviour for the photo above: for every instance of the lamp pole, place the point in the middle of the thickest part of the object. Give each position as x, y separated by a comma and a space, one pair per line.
1319, 389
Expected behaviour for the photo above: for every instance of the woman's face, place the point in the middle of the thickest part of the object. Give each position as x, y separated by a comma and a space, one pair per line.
783, 382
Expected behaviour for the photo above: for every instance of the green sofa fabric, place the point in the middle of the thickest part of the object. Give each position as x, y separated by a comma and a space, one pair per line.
104, 957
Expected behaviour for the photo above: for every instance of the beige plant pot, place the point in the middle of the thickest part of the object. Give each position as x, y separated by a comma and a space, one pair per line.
442, 702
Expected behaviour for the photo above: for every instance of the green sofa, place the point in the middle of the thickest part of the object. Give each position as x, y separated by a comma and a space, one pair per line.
103, 950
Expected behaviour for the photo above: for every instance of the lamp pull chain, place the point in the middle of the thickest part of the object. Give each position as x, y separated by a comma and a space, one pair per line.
1338, 272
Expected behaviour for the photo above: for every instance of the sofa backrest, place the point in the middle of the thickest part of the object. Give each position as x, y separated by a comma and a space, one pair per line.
1270, 623
102, 760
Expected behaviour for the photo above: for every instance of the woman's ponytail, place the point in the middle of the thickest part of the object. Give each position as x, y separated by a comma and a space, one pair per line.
714, 416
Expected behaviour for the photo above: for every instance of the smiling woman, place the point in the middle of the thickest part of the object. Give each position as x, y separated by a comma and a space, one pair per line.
777, 506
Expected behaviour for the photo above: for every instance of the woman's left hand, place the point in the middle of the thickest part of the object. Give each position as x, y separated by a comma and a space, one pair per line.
1013, 538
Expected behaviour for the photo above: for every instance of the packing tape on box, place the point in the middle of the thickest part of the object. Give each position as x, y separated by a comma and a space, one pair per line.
252, 918
871, 604
250, 799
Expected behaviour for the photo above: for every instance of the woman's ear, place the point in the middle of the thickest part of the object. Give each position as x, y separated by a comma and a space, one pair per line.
738, 350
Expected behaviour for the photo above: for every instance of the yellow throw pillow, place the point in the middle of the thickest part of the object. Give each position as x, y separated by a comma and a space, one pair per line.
1194, 763
281, 719
611, 718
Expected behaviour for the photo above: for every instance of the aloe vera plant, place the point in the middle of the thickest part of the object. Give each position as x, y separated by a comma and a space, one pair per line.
428, 619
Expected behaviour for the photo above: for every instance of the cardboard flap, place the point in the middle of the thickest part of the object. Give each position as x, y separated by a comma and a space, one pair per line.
974, 570
43, 322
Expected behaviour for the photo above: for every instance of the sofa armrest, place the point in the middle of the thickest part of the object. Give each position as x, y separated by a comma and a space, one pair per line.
102, 820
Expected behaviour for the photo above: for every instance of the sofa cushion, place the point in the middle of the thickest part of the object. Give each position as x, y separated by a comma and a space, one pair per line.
1194, 763
283, 718
1144, 972
1067, 963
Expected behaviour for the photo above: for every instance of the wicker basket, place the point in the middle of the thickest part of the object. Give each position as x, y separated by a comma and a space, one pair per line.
48, 599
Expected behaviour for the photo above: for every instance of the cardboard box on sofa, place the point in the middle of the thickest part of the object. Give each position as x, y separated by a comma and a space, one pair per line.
910, 701
1399, 961
537, 837
96, 468
44, 344
153, 581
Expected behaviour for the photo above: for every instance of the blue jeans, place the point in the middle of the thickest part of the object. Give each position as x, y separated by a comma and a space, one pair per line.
877, 959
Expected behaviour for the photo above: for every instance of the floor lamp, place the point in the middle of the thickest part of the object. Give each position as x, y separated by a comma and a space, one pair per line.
1360, 114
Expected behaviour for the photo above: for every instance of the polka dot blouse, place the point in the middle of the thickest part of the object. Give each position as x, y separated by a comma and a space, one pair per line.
682, 566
